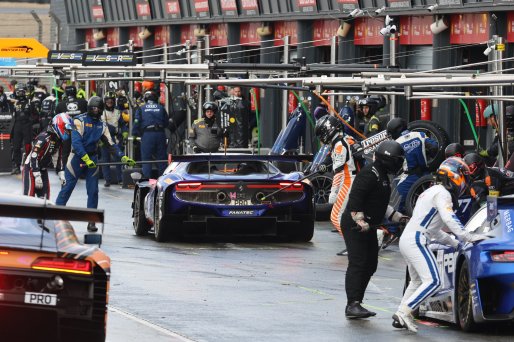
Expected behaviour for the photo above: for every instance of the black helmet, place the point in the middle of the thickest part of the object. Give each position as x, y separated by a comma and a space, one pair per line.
210, 105
150, 95
380, 100
20, 91
95, 107
371, 103
327, 127
476, 165
110, 95
71, 91
395, 127
509, 117
454, 150
390, 154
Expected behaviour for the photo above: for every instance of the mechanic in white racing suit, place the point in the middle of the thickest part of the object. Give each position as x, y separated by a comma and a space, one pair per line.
329, 130
433, 211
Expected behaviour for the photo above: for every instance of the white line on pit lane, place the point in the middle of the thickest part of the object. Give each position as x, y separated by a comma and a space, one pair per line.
150, 325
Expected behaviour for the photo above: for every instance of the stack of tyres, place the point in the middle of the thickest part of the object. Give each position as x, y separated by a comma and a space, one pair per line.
5, 142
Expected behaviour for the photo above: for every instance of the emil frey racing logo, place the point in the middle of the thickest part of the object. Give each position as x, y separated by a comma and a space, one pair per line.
23, 48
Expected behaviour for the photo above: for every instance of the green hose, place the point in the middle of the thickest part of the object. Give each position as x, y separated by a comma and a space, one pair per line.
309, 115
470, 121
257, 120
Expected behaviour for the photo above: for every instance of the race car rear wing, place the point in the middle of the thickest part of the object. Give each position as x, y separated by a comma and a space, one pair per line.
242, 157
50, 212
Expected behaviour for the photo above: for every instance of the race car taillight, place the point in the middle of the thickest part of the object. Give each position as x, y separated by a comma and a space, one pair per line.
62, 265
188, 186
503, 256
292, 187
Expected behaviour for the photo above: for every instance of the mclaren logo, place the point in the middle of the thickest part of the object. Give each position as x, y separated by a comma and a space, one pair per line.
241, 212
23, 48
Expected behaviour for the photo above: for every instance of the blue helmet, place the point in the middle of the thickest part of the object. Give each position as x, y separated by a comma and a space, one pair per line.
62, 124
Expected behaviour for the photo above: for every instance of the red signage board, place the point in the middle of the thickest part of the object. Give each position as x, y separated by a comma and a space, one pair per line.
510, 27
172, 9
367, 32
286, 28
187, 33
161, 35
415, 30
469, 28
307, 6
143, 9
97, 11
134, 36
248, 34
113, 36
202, 8
228, 5
250, 7
324, 30
89, 38
348, 4
218, 34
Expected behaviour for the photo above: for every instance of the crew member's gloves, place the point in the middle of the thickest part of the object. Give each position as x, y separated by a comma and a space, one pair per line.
124, 135
196, 149
483, 153
362, 225
475, 237
322, 168
89, 163
38, 181
62, 178
398, 217
128, 161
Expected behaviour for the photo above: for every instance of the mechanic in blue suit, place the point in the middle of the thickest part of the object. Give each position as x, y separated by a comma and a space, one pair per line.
418, 148
90, 130
150, 121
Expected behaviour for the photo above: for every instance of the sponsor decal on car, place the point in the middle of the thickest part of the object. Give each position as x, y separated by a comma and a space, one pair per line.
241, 212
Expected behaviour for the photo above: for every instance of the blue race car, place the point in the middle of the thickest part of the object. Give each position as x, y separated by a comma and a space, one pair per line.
216, 194
477, 281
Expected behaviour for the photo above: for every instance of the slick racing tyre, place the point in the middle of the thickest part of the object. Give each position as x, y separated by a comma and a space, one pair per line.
435, 132
322, 185
465, 317
416, 189
141, 225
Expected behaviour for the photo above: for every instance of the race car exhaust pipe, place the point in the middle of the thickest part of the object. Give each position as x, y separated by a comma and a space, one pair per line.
260, 196
221, 196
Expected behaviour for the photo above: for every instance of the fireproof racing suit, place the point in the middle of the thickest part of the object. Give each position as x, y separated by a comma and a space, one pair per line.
46, 151
416, 146
73, 107
344, 172
433, 211
84, 141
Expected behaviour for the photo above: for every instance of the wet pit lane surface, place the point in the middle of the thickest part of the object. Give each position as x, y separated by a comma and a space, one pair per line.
244, 289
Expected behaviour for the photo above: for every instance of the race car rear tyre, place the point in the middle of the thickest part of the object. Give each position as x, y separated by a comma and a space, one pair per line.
304, 232
465, 317
436, 132
141, 225
321, 185
417, 189
161, 232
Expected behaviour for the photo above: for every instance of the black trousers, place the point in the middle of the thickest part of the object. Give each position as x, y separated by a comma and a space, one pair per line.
362, 259
21, 138
29, 186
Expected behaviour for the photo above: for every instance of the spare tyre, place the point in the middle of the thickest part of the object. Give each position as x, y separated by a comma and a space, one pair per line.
322, 185
436, 132
415, 190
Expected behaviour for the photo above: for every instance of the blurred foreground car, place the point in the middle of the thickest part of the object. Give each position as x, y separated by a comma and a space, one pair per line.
234, 194
52, 287
477, 281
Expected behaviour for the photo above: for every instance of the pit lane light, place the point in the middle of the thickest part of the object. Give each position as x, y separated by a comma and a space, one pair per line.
356, 13
380, 10
62, 265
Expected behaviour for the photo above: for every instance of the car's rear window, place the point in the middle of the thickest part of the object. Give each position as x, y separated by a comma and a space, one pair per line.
231, 168
27, 232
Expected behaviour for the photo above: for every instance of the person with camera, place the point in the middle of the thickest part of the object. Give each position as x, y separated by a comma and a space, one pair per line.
205, 134
368, 206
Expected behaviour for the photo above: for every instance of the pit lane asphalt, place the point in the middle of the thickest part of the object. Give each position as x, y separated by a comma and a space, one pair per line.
251, 290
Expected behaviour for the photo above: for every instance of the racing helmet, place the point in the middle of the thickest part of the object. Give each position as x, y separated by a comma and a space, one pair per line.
70, 91
20, 92
110, 95
380, 100
454, 150
453, 174
62, 125
371, 103
95, 107
390, 155
476, 165
210, 106
327, 127
509, 117
150, 95
395, 127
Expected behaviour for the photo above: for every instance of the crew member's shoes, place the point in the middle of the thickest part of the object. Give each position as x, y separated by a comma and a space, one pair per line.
91, 227
397, 324
406, 321
355, 310
107, 184
15, 170
334, 231
344, 252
